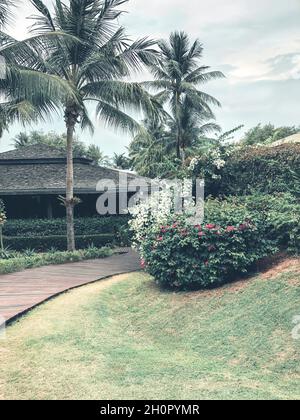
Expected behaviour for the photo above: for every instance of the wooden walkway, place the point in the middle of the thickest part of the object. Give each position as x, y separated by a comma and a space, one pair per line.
24, 290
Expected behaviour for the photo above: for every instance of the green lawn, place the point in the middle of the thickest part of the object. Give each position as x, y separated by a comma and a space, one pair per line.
127, 339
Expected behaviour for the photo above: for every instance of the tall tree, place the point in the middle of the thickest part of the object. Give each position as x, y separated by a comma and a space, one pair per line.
6, 11
93, 68
121, 161
178, 75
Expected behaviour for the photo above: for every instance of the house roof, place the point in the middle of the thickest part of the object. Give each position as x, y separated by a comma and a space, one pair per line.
295, 138
42, 170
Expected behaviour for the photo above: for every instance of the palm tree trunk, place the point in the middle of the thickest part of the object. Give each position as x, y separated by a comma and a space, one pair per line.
183, 156
178, 144
178, 123
71, 117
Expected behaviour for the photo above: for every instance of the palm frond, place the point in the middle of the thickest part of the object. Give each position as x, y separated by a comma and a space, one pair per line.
114, 117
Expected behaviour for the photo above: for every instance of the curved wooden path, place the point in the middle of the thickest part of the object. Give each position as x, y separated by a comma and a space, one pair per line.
22, 291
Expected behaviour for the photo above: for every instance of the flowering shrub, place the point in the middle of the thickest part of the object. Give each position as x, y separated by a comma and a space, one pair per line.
150, 214
210, 165
184, 256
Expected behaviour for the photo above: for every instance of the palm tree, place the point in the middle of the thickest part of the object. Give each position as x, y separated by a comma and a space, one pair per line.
6, 7
22, 139
95, 153
93, 68
177, 77
152, 150
195, 125
121, 161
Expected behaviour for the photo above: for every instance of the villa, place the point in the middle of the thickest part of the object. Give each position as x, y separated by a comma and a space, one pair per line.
33, 177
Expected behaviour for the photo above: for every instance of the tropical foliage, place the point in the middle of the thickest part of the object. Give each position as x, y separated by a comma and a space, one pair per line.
82, 47
267, 134
178, 76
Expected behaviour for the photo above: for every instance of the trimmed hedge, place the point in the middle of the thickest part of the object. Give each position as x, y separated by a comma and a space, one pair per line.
50, 227
44, 234
59, 242
262, 169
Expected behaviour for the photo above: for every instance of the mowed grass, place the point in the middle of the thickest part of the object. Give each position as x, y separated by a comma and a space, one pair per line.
126, 339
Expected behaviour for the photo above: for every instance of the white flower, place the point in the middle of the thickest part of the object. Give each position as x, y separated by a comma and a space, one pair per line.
219, 163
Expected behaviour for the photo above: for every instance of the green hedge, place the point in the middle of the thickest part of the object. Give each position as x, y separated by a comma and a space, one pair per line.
49, 227
15, 262
262, 169
44, 234
59, 242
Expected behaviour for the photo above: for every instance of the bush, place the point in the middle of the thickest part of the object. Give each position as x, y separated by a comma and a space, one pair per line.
59, 242
188, 257
19, 261
50, 227
246, 169
277, 216
43, 234
264, 169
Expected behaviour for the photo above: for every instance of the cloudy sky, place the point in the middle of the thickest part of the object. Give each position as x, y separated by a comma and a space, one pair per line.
256, 43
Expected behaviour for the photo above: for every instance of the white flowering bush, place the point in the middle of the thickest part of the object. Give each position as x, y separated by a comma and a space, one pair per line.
210, 165
160, 208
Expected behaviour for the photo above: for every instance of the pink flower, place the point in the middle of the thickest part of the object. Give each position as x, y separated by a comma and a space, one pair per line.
200, 234
206, 263
210, 226
143, 263
230, 229
160, 238
243, 226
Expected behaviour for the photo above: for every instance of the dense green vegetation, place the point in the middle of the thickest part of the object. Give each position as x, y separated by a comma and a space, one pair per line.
13, 261
266, 170
129, 340
267, 134
43, 234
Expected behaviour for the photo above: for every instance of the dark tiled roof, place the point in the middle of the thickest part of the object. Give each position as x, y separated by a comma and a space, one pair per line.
33, 152
43, 177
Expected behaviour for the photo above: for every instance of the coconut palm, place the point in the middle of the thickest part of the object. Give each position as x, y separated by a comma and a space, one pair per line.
121, 161
152, 150
6, 11
195, 126
92, 67
177, 78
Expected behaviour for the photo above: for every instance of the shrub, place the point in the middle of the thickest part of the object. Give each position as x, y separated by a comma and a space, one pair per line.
242, 170
277, 216
19, 261
183, 256
83, 226
43, 234
59, 242
264, 169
